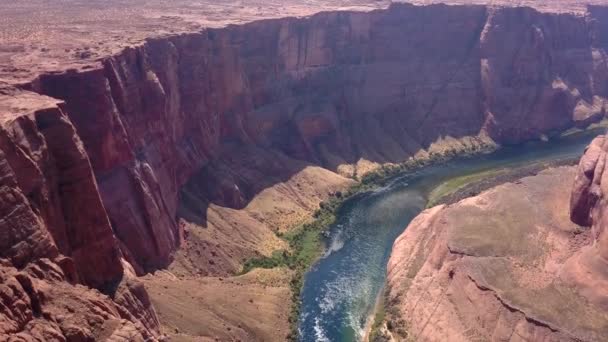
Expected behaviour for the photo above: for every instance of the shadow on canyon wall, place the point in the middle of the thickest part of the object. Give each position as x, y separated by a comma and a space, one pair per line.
220, 115
384, 90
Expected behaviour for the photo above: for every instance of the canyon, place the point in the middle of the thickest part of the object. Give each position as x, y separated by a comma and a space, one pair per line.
517, 262
146, 158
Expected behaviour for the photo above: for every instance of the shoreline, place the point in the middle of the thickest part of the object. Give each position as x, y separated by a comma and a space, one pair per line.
325, 216
477, 186
469, 190
466, 191
307, 240
371, 318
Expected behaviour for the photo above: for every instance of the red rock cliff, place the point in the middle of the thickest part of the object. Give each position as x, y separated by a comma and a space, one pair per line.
56, 236
508, 264
330, 89
97, 177
588, 208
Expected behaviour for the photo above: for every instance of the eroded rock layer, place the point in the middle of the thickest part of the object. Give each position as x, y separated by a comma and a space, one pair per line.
55, 236
194, 126
498, 267
588, 206
330, 90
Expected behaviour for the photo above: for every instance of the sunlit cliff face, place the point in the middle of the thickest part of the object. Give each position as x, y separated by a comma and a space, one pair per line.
98, 170
329, 90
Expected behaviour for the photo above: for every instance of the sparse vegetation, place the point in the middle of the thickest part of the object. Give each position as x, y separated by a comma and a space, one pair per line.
452, 185
278, 259
306, 244
306, 240
388, 322
395, 323
375, 334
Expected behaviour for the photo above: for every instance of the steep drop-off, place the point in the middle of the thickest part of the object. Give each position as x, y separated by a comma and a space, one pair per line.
330, 90
56, 236
508, 264
182, 125
588, 208
490, 268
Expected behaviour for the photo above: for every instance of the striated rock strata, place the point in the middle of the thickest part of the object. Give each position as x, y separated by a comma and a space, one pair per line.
336, 90
496, 267
55, 236
508, 264
587, 270
224, 128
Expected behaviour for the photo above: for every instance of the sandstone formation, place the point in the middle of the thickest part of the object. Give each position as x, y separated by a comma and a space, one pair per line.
116, 155
497, 267
329, 90
51, 209
587, 270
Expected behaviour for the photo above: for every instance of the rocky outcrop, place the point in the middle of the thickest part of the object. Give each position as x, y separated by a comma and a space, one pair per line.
497, 267
45, 160
40, 303
587, 270
532, 65
180, 124
508, 264
55, 235
336, 89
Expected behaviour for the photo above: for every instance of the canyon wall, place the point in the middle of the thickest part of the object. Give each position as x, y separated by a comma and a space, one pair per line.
508, 264
165, 129
332, 90
56, 237
588, 206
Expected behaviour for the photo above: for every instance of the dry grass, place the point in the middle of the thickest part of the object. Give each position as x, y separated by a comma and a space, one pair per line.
248, 308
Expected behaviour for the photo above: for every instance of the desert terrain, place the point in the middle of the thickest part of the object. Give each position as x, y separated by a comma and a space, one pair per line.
149, 149
39, 36
518, 252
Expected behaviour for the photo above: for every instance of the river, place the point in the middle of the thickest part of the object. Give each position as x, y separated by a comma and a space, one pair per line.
341, 289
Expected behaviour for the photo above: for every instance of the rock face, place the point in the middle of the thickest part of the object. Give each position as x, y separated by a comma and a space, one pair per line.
588, 208
501, 266
55, 235
180, 124
333, 90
